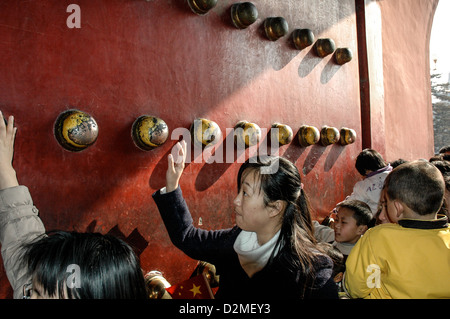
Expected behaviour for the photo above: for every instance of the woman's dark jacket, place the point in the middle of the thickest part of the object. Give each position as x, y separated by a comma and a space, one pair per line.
216, 247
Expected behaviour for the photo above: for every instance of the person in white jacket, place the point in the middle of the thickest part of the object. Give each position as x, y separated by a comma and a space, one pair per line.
371, 165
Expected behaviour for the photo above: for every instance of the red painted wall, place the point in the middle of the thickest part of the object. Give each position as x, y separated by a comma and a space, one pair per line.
157, 57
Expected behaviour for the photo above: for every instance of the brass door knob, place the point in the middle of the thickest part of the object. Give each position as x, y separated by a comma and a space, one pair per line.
149, 132
246, 133
75, 130
243, 14
324, 47
275, 28
202, 7
205, 132
329, 135
348, 136
156, 285
284, 135
302, 38
308, 135
343, 55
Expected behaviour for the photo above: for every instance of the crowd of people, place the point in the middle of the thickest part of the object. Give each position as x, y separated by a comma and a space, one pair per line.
404, 251
390, 238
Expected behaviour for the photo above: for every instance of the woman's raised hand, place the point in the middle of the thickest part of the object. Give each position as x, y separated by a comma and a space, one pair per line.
176, 161
7, 134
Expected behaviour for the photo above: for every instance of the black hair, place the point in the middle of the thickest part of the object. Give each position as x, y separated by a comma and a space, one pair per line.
447, 181
369, 160
361, 211
398, 162
418, 184
281, 181
107, 267
443, 166
444, 149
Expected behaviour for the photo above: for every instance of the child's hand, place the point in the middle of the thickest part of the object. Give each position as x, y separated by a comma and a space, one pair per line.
176, 161
7, 134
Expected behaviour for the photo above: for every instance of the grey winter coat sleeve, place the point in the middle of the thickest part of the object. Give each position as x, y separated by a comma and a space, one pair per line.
19, 224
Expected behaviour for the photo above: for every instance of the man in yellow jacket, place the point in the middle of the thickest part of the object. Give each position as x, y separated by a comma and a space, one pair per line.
410, 259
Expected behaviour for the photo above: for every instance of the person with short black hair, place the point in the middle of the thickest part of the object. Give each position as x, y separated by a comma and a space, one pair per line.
353, 218
445, 150
444, 167
410, 258
397, 162
374, 169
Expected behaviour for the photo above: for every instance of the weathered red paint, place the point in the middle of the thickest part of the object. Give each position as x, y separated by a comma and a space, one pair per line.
131, 58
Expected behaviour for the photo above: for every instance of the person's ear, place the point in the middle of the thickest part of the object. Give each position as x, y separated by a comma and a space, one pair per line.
361, 229
277, 207
399, 208
338, 277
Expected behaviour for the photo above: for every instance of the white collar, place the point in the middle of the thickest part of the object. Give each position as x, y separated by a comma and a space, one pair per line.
344, 248
252, 256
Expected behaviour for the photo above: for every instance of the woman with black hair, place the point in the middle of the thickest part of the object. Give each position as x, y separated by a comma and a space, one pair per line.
72, 265
63, 265
271, 253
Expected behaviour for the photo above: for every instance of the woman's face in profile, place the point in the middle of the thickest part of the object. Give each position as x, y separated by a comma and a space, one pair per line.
251, 212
